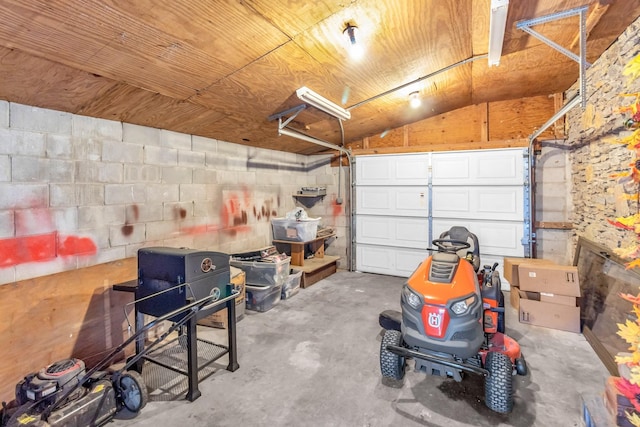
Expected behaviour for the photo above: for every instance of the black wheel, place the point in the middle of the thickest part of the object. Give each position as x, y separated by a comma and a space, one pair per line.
498, 385
391, 365
132, 390
501, 315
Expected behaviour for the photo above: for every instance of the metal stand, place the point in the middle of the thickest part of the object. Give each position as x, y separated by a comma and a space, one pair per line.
189, 340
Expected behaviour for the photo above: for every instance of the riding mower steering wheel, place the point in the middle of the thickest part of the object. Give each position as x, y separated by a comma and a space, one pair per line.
451, 246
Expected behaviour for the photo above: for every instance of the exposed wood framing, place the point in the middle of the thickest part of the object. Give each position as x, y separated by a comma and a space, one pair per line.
486, 125
592, 20
557, 225
558, 101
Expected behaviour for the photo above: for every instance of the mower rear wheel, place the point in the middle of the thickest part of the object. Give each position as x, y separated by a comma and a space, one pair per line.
391, 365
498, 385
133, 391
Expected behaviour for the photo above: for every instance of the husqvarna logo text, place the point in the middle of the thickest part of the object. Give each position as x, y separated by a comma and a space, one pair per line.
434, 320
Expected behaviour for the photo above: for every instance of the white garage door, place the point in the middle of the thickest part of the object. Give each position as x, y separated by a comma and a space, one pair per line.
405, 201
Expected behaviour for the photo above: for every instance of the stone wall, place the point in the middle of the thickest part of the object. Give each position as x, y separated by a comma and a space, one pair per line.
595, 154
77, 191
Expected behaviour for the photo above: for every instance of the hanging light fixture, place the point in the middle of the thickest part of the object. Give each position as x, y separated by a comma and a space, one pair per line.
497, 26
355, 49
414, 99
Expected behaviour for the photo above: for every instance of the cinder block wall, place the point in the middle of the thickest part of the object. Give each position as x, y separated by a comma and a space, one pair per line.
77, 191
552, 201
595, 156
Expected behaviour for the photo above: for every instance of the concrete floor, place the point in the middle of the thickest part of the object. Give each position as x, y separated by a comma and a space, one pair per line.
313, 361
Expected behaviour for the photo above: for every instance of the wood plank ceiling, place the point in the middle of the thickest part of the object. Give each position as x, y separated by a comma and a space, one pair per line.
220, 69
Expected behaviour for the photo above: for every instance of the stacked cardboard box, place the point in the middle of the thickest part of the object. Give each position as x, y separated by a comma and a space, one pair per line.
511, 274
219, 318
545, 294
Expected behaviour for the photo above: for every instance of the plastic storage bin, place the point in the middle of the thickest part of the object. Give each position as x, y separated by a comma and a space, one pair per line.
263, 273
295, 230
292, 285
262, 298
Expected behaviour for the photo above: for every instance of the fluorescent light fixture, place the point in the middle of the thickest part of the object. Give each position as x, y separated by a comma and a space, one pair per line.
322, 104
497, 25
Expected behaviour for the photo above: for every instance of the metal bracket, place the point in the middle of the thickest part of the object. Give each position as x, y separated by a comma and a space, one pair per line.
581, 59
293, 112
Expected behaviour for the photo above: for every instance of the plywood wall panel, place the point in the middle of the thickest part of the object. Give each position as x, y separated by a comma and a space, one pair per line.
461, 125
520, 118
70, 314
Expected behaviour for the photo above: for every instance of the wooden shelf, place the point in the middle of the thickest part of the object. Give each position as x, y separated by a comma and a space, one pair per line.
316, 269
297, 248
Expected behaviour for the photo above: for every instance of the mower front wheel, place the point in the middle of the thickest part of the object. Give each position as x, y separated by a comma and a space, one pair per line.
498, 385
391, 365
133, 392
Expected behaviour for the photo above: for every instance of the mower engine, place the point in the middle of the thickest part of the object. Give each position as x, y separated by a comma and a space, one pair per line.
50, 382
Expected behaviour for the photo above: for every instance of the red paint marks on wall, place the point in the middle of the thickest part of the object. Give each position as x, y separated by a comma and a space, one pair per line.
336, 209
42, 247
74, 245
131, 216
20, 250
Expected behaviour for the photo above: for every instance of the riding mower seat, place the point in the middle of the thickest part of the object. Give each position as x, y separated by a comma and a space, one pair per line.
461, 233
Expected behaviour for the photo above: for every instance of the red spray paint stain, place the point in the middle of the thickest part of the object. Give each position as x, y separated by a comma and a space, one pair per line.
43, 247
20, 250
74, 245
131, 216
337, 209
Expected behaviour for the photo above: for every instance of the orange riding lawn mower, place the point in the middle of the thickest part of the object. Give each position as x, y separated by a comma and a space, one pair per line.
452, 322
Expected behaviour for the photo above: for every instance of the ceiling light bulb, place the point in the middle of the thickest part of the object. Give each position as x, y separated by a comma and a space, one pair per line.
414, 99
355, 49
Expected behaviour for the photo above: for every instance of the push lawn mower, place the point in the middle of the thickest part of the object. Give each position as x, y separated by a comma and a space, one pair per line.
65, 394
452, 322
62, 394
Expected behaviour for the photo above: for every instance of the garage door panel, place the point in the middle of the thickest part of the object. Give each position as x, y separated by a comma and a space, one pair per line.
451, 199
451, 169
399, 197
373, 199
487, 167
504, 203
494, 237
407, 261
388, 260
403, 201
373, 171
374, 259
498, 202
392, 170
392, 231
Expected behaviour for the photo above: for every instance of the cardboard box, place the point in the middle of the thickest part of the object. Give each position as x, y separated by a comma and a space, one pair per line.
510, 266
219, 318
547, 314
514, 297
549, 279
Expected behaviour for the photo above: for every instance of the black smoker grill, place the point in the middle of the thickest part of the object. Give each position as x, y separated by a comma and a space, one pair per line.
169, 280
162, 269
